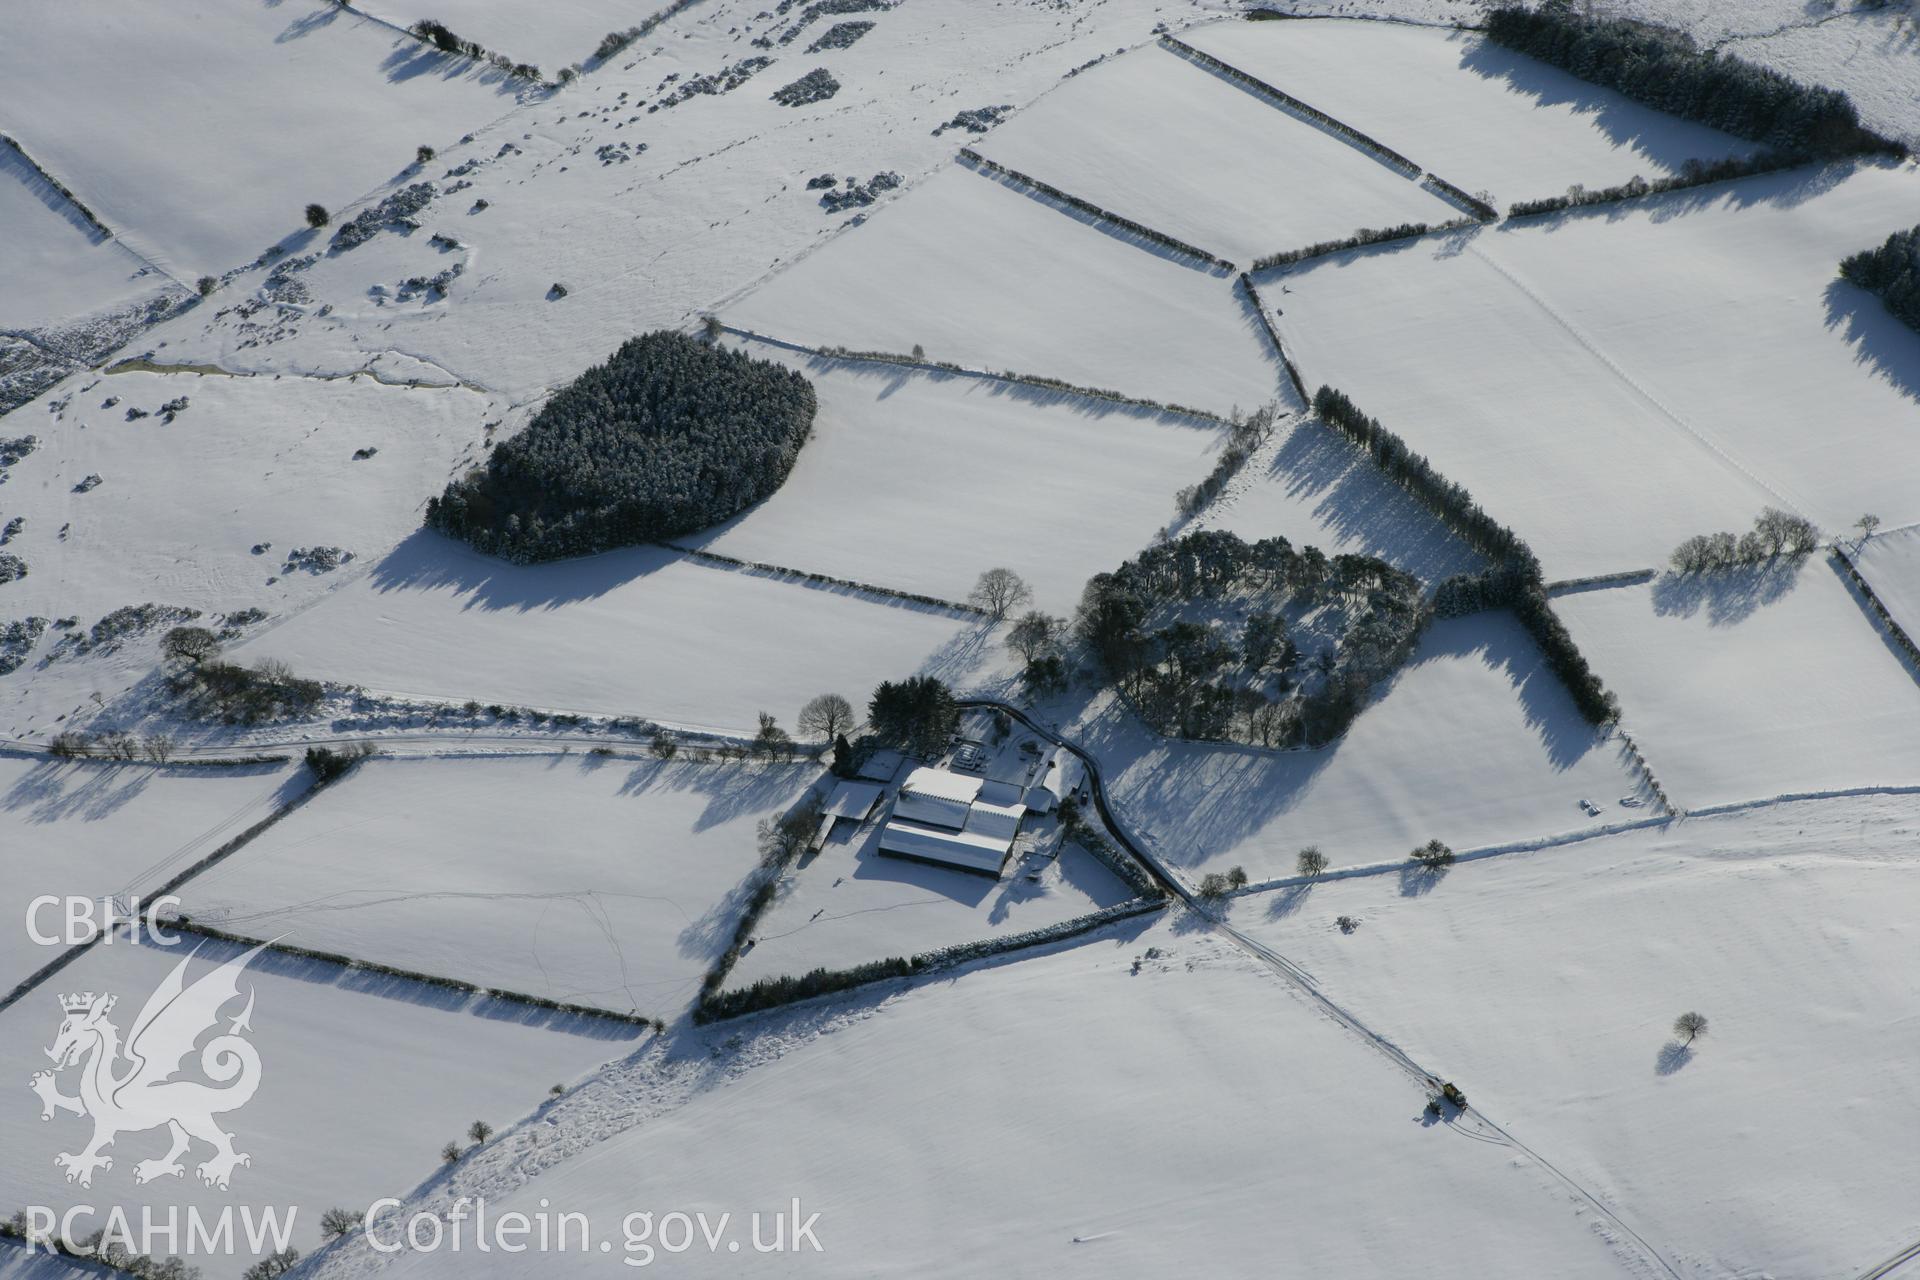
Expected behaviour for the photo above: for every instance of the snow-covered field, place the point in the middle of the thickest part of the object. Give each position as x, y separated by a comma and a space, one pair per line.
1475, 743
641, 632
53, 263
1546, 986
1610, 383
362, 1081
857, 507
1478, 115
583, 879
849, 904
1158, 139
1060, 1117
985, 276
1891, 565
1750, 683
96, 830
288, 103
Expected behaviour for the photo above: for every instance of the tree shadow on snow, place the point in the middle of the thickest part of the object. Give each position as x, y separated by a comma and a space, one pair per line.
1886, 346
1672, 1056
1729, 596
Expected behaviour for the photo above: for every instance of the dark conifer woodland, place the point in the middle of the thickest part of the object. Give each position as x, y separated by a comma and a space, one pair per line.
669, 436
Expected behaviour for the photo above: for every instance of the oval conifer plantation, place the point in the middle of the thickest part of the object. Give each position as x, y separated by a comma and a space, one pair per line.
669, 436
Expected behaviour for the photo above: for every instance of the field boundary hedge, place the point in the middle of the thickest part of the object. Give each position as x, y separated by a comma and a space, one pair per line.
1895, 631
774, 993
980, 163
825, 579
1273, 335
1364, 142
185, 924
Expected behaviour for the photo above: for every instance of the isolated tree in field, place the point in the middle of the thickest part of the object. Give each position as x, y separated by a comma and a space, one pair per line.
1312, 861
423, 154
190, 644
999, 592
317, 216
1866, 524
664, 744
335, 1223
827, 716
1035, 635
1690, 1025
479, 1131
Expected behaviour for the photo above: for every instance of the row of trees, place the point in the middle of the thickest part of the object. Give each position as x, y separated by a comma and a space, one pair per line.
1666, 70
1893, 272
1245, 435
669, 436
1515, 580
1775, 532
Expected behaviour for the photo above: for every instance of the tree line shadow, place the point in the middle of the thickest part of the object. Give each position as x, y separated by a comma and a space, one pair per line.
1728, 596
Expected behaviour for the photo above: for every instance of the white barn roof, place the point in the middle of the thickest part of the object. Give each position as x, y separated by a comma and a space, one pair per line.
967, 851
852, 800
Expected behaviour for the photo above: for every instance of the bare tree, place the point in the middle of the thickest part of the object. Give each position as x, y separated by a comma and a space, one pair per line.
190, 644
665, 745
1034, 635
1866, 524
1312, 861
335, 1223
999, 592
158, 747
1690, 1025
479, 1131
771, 740
827, 716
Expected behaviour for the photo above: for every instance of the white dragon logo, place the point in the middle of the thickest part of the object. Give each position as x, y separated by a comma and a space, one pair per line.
144, 1093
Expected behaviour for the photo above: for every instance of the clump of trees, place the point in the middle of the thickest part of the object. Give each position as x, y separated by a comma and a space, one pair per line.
1246, 676
1892, 272
327, 764
1214, 885
1432, 855
1666, 70
1775, 532
1039, 639
234, 694
668, 436
918, 713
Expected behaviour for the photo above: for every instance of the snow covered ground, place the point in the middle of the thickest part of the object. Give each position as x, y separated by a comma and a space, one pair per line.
1546, 985
1021, 1120
53, 263
849, 904
1891, 565
643, 632
1612, 382
1474, 743
95, 830
1482, 117
289, 103
551, 35
920, 481
362, 1081
1750, 683
1158, 139
983, 275
588, 880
